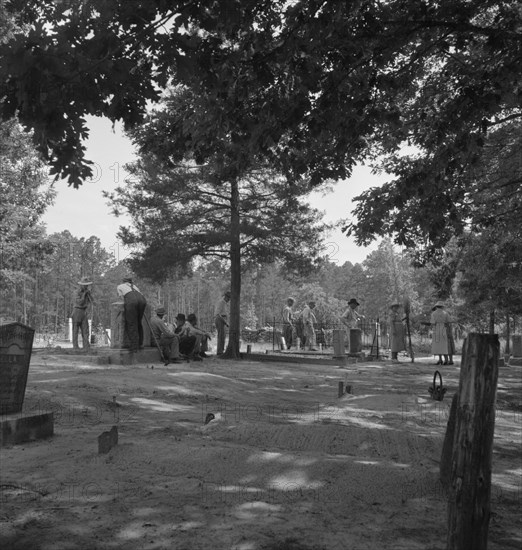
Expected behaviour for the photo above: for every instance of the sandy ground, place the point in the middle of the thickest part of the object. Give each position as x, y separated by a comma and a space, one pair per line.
284, 465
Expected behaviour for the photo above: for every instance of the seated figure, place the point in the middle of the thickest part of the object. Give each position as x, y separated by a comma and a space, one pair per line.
193, 342
167, 340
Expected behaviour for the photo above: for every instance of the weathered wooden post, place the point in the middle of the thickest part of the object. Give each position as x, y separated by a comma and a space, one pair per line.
470, 482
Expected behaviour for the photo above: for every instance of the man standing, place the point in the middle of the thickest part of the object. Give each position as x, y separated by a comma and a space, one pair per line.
350, 318
396, 332
221, 316
166, 339
133, 308
79, 315
308, 322
288, 322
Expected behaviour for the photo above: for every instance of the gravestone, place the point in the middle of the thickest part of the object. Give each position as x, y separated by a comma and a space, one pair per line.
107, 440
119, 339
16, 346
516, 359
338, 342
355, 340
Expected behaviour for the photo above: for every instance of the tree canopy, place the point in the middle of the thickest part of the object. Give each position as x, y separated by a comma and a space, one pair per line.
311, 86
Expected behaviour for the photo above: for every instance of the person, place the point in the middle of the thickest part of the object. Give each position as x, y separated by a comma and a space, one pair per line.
396, 332
79, 317
288, 322
204, 337
189, 341
440, 321
167, 340
350, 319
133, 309
308, 323
220, 319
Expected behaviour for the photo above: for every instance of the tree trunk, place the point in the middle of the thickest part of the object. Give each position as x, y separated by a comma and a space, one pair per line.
492, 322
470, 485
232, 350
508, 335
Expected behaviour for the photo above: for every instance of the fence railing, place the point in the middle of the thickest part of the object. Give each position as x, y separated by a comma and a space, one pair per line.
371, 334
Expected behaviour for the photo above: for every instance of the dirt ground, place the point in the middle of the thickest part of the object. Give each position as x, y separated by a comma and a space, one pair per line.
285, 464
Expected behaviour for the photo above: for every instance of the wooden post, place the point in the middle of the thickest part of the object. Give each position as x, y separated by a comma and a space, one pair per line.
470, 486
447, 448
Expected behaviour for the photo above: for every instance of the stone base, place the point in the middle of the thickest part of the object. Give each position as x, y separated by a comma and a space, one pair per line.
15, 428
125, 357
515, 362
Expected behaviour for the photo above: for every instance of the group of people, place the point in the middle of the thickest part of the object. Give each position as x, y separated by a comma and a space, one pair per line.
442, 342
184, 340
350, 319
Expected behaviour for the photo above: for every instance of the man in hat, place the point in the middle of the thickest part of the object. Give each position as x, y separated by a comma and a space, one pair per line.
396, 332
288, 322
80, 321
220, 319
165, 338
133, 308
350, 319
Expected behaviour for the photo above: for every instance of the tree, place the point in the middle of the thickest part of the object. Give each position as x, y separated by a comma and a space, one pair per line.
232, 207
26, 193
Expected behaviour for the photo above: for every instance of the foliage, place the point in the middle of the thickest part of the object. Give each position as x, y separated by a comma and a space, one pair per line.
26, 193
310, 86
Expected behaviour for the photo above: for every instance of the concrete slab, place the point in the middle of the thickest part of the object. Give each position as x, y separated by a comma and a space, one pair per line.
17, 428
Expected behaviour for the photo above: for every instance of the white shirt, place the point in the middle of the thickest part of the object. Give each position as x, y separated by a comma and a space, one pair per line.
221, 308
351, 317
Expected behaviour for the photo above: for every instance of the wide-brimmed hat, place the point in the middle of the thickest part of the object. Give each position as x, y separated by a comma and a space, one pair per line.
395, 304
84, 281
160, 310
127, 279
354, 301
438, 304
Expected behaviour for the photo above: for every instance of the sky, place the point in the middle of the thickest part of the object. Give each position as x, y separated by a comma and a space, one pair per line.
85, 212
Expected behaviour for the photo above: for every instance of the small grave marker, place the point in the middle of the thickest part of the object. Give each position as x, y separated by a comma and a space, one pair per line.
107, 440
16, 345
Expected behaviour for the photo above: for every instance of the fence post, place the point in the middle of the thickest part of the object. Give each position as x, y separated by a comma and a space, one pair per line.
470, 482
273, 334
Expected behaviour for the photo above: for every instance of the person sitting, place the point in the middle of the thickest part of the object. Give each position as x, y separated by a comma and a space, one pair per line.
167, 340
189, 339
192, 320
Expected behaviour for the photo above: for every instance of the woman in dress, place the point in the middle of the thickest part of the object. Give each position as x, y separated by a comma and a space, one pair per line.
440, 321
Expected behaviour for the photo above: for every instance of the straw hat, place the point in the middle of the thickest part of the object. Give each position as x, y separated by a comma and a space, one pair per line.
84, 281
